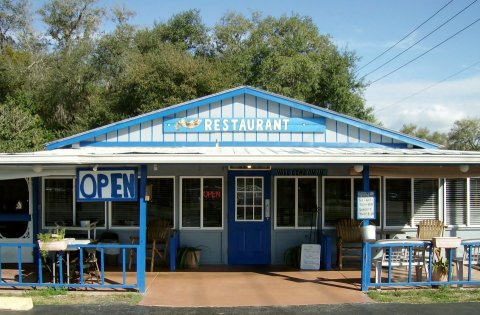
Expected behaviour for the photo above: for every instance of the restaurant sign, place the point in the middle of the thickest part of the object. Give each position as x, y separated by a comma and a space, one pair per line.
106, 185
208, 125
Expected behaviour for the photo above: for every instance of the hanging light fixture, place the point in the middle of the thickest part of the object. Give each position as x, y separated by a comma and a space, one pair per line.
358, 168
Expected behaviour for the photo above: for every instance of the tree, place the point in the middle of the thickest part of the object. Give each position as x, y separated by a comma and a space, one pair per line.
465, 135
14, 19
69, 21
424, 133
289, 56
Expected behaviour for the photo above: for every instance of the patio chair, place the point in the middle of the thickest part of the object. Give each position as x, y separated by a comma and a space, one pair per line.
158, 236
430, 228
349, 240
399, 256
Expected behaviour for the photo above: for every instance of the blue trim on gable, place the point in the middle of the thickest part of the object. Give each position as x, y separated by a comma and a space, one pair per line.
232, 93
247, 144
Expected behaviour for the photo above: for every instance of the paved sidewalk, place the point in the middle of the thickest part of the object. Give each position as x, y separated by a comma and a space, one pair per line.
254, 287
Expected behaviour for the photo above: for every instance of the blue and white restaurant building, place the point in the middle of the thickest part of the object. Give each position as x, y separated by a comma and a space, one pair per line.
243, 174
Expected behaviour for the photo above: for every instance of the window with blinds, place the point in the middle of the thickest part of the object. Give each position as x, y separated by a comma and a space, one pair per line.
161, 204
58, 203
337, 200
474, 201
456, 201
398, 201
425, 200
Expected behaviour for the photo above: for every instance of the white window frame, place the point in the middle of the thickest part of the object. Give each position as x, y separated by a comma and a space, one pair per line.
74, 203
410, 224
201, 227
352, 197
263, 199
469, 205
296, 227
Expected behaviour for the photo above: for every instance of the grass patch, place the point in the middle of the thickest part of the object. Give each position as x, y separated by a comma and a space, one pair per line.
52, 296
443, 294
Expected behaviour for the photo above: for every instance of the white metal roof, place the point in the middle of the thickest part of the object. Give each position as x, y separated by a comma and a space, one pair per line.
240, 155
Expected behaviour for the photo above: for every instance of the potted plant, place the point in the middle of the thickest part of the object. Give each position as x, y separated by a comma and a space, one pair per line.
189, 257
440, 270
51, 242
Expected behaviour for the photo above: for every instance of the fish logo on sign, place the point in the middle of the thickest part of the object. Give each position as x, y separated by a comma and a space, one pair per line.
194, 123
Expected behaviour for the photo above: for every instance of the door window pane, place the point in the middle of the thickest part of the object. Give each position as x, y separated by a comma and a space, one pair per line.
249, 203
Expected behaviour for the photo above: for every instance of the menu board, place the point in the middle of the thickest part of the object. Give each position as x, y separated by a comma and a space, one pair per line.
310, 257
366, 205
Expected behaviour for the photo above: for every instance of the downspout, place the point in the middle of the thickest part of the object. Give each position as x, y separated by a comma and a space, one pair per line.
142, 232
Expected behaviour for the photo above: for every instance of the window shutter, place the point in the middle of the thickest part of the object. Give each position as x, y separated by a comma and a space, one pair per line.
425, 199
456, 201
475, 201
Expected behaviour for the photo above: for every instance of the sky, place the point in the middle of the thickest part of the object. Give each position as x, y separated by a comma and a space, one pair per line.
419, 92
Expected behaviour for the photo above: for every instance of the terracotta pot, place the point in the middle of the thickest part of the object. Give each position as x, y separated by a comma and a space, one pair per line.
438, 276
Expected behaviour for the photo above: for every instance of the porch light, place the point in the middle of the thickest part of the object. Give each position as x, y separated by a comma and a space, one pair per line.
464, 168
37, 168
358, 168
155, 167
95, 168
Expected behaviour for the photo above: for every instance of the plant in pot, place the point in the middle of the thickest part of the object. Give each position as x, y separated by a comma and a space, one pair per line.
189, 257
51, 242
440, 270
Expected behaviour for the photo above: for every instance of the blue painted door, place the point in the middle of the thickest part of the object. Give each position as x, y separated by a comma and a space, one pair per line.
249, 218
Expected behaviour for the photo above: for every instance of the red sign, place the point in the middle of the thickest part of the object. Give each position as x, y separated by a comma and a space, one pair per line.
212, 194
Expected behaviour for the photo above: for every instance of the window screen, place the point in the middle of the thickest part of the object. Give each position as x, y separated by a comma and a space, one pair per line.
398, 200
161, 204
285, 202
455, 201
338, 200
58, 201
93, 211
307, 201
191, 202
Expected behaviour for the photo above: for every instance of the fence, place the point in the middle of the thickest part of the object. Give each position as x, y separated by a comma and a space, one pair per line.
418, 254
61, 259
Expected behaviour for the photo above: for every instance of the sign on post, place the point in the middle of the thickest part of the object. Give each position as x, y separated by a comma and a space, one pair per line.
366, 205
106, 185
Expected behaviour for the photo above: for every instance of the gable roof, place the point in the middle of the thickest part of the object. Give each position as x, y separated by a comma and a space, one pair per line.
65, 142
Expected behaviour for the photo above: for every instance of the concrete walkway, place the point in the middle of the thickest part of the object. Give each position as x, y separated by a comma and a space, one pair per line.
214, 287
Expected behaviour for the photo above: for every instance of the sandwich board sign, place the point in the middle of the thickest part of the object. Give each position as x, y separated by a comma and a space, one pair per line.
310, 257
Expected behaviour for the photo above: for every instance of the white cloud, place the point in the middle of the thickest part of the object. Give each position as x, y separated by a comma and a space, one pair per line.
437, 108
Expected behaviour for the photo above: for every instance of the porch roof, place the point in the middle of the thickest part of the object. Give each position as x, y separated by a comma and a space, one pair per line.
240, 155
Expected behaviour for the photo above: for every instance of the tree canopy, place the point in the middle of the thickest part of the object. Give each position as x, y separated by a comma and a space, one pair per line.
74, 76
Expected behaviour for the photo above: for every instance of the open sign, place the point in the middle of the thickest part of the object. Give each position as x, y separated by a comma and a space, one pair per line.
106, 185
